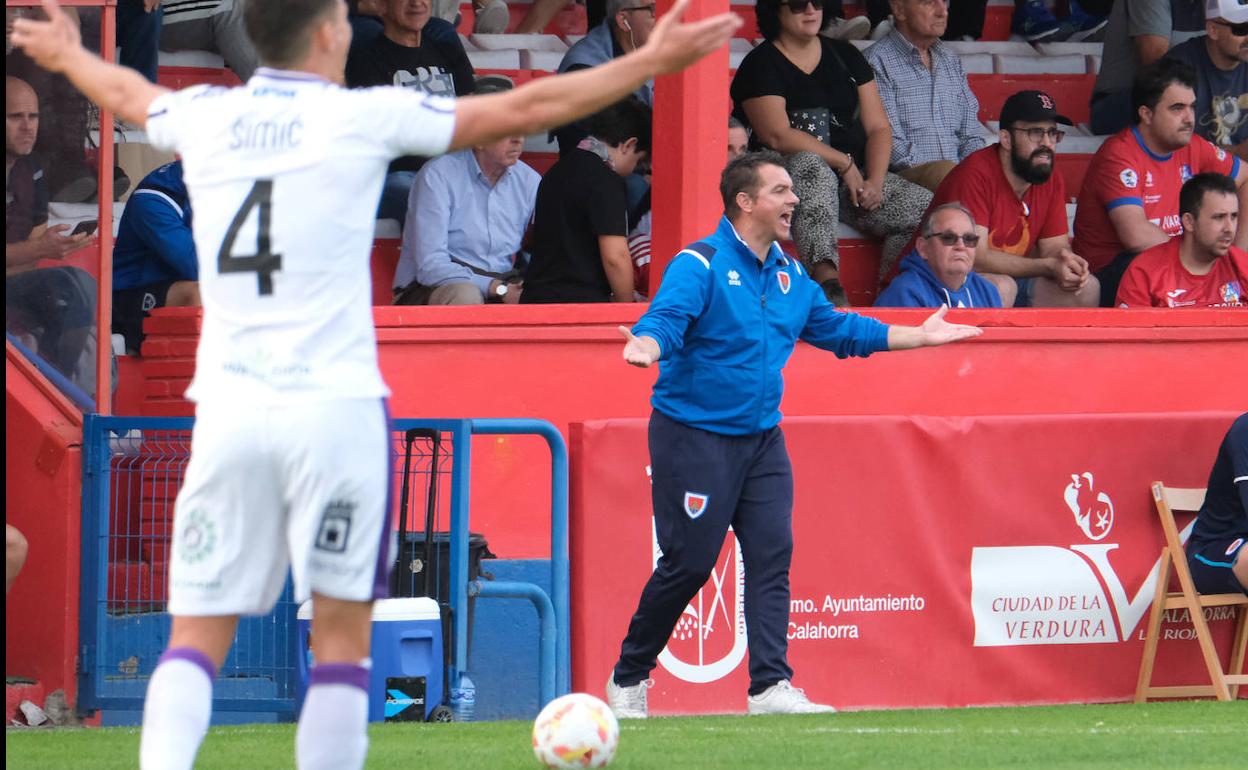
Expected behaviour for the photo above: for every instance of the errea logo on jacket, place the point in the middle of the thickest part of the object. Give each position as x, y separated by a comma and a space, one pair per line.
734, 278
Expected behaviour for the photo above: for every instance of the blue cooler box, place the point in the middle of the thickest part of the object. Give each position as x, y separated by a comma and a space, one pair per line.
406, 680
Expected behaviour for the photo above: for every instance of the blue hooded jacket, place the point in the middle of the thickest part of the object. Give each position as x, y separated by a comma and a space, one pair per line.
726, 325
918, 286
154, 242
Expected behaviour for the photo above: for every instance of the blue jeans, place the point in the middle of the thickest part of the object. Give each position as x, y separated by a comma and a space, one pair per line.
394, 195
138, 36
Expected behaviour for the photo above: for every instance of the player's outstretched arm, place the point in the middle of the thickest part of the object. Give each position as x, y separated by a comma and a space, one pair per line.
934, 331
639, 351
56, 46
555, 101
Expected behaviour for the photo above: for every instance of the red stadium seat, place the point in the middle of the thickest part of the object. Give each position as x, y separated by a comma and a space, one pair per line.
1071, 92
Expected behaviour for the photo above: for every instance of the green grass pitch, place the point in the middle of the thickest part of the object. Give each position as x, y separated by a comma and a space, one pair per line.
1156, 735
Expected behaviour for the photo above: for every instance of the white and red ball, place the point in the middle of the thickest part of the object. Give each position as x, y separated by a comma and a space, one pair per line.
576, 730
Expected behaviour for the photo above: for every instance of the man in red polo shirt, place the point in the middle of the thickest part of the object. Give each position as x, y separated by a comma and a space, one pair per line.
1130, 196
1019, 206
1200, 268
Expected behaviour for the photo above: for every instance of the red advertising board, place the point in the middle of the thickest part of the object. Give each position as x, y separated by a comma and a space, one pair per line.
939, 561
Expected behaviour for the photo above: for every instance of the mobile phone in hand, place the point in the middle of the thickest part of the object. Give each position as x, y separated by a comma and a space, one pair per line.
87, 226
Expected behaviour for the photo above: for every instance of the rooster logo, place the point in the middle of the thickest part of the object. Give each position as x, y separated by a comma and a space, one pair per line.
1094, 511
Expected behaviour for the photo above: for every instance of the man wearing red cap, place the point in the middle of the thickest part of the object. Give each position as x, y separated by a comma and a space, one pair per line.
1019, 207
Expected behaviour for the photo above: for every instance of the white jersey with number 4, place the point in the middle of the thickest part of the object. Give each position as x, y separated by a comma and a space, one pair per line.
284, 174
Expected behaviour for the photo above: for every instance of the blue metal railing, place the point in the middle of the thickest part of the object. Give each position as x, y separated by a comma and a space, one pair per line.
122, 634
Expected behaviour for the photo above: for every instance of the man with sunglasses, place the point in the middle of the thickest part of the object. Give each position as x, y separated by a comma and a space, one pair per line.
1130, 196
938, 272
1220, 59
1019, 206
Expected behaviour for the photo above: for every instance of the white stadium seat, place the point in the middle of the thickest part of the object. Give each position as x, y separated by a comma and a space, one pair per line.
1002, 47
190, 59
977, 63
1059, 49
546, 61
519, 42
494, 60
1070, 64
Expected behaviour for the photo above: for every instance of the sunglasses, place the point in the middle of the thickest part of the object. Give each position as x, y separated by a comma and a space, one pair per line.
799, 6
950, 239
1238, 30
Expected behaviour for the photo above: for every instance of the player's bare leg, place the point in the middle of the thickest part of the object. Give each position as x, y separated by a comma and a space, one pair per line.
333, 726
178, 708
1240, 570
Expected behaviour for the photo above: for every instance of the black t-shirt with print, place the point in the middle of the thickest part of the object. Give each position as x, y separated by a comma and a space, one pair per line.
25, 199
580, 198
439, 67
833, 85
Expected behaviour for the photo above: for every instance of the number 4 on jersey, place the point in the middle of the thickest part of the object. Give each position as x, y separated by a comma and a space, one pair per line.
263, 263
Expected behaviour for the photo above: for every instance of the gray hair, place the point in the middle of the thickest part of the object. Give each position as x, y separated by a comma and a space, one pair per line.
929, 230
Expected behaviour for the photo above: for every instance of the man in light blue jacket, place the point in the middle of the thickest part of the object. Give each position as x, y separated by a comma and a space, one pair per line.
938, 271
724, 323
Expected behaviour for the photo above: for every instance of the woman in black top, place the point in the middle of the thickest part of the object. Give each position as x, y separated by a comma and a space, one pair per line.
815, 101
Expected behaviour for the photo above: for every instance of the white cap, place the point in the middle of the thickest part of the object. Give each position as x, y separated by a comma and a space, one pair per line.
1234, 11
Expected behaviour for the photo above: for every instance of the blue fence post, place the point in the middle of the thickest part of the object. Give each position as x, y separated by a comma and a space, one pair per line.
461, 474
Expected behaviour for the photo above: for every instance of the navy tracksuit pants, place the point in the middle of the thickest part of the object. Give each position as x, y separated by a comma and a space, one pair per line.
748, 483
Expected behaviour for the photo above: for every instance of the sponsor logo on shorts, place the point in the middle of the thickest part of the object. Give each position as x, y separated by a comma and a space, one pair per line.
1234, 546
783, 278
695, 504
197, 537
1128, 177
335, 526
149, 301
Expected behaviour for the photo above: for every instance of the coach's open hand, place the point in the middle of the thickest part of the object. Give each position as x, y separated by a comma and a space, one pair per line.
51, 42
934, 331
639, 351
674, 45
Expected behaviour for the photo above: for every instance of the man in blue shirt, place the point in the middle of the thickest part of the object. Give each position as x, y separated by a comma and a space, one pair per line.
1215, 551
724, 323
938, 270
154, 256
466, 219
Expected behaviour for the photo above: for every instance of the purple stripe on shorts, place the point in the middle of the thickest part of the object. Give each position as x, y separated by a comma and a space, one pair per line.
339, 673
381, 578
191, 655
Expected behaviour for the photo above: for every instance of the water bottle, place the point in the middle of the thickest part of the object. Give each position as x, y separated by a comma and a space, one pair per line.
464, 699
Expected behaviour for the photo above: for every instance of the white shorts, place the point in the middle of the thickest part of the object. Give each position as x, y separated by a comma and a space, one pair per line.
304, 487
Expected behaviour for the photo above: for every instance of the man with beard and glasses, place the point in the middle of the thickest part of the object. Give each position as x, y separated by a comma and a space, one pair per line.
1220, 59
1019, 207
1130, 196
1200, 268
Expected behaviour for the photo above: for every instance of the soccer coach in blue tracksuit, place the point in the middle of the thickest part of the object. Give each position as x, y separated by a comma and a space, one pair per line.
724, 323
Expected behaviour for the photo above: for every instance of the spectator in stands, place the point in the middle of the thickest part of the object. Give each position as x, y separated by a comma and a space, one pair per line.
199, 25
1138, 34
1216, 555
815, 101
1036, 23
138, 35
154, 261
52, 309
1130, 196
1019, 206
626, 28
15, 550
939, 270
1220, 60
1201, 267
365, 19
930, 107
415, 50
738, 138
580, 228
467, 217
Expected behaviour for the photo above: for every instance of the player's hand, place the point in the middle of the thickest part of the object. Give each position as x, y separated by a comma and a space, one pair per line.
50, 43
937, 331
639, 351
674, 44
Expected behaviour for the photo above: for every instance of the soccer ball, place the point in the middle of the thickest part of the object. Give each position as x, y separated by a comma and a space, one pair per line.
577, 730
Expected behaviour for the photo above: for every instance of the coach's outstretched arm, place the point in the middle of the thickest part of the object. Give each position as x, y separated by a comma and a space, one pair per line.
56, 46
934, 331
555, 101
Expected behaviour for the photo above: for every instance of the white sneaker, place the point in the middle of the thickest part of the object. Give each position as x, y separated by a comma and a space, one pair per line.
491, 18
882, 29
855, 28
784, 698
628, 702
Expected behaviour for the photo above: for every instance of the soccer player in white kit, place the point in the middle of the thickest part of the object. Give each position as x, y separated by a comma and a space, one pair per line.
290, 454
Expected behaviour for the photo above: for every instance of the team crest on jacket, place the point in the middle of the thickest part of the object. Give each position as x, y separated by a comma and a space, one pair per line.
695, 504
783, 278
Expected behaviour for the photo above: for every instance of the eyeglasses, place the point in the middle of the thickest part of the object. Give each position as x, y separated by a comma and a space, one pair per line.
650, 9
799, 6
1038, 135
950, 239
1238, 30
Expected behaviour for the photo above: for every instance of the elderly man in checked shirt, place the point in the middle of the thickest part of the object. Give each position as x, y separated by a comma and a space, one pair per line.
925, 93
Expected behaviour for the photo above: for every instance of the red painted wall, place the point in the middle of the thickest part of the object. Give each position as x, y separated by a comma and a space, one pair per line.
562, 364
43, 494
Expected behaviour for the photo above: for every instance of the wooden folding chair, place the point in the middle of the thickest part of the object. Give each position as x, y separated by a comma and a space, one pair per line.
1224, 685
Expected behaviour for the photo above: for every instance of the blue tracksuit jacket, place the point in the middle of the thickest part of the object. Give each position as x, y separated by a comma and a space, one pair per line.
726, 325
154, 242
